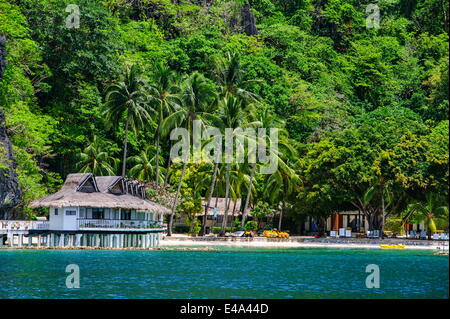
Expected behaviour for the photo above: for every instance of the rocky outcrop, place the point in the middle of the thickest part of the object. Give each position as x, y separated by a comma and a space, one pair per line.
248, 20
2, 55
9, 184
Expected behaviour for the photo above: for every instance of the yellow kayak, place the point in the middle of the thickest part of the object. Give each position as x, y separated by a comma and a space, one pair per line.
400, 246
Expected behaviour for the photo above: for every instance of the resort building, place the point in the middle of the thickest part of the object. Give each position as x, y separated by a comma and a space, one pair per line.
100, 211
216, 213
348, 224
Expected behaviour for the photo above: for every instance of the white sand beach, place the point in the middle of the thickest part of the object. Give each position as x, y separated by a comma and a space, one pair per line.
307, 242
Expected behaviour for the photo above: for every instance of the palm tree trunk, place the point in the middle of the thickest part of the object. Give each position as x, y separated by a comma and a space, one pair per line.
211, 191
124, 163
247, 200
157, 157
166, 178
227, 193
283, 205
382, 213
169, 230
234, 207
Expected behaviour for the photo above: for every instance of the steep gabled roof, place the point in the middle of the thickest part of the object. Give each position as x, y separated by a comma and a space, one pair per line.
88, 184
73, 194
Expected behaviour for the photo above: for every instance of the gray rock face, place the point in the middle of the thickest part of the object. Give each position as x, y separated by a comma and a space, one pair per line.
2, 56
9, 185
249, 21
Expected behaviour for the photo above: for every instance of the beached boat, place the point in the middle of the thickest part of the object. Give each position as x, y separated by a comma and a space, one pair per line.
399, 246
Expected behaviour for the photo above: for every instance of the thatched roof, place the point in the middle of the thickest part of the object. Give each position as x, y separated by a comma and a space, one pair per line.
88, 190
221, 206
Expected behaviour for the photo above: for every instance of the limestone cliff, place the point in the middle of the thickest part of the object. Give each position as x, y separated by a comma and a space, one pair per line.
9, 185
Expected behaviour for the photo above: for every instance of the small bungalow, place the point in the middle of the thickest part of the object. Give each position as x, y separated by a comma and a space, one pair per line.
215, 214
101, 211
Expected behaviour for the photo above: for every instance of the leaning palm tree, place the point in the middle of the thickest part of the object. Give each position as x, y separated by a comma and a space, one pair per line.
197, 103
234, 116
145, 165
164, 99
96, 159
433, 207
125, 100
280, 185
267, 120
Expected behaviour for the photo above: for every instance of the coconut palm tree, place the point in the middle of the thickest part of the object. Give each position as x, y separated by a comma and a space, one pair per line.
433, 207
95, 158
234, 115
197, 98
125, 101
283, 183
280, 186
228, 72
164, 99
145, 165
267, 120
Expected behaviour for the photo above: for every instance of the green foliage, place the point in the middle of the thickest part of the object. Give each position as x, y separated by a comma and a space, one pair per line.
251, 226
366, 109
394, 225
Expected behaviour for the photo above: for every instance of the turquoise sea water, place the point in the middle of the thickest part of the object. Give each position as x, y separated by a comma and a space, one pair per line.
228, 273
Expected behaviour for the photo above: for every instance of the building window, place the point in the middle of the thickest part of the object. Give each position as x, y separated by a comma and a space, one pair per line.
126, 214
71, 212
56, 211
82, 212
98, 213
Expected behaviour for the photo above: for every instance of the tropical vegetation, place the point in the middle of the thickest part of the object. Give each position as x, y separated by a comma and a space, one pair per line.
362, 112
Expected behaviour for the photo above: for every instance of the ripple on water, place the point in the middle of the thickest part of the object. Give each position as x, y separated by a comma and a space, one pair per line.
228, 273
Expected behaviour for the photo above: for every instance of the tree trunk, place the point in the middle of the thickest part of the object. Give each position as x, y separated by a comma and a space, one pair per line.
283, 205
382, 213
211, 191
227, 193
174, 207
125, 150
166, 178
234, 209
247, 200
157, 157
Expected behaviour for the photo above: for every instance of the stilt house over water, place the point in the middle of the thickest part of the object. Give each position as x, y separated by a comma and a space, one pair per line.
101, 211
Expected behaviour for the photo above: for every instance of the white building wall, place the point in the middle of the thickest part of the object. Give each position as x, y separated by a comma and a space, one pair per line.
56, 221
70, 221
63, 221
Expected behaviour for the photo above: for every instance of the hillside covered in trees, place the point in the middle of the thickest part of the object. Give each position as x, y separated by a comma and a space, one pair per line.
362, 111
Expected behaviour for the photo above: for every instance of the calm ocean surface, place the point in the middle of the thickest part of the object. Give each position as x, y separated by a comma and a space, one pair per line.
228, 273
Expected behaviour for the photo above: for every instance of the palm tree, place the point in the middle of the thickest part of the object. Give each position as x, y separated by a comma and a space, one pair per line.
267, 120
95, 159
197, 103
235, 116
433, 207
145, 167
280, 186
283, 183
126, 99
164, 99
228, 73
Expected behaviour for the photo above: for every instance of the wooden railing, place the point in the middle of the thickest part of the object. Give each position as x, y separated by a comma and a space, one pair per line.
118, 223
23, 224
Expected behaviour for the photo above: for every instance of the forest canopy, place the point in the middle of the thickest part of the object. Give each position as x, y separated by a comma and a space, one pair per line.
363, 110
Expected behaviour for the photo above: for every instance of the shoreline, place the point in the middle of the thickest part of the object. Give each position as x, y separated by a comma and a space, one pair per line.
166, 243
187, 243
